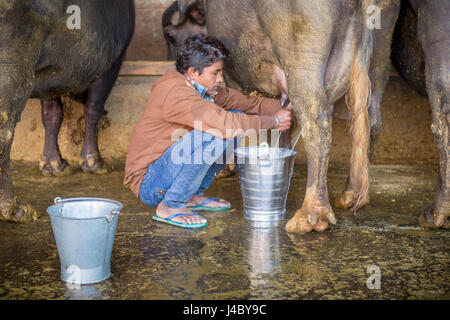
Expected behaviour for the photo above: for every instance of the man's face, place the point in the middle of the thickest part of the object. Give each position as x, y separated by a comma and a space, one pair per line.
211, 77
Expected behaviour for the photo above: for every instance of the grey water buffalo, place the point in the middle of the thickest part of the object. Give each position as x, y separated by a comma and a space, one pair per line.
421, 53
313, 53
50, 48
176, 32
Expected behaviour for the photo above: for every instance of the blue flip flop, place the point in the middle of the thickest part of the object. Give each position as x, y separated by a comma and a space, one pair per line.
202, 207
179, 224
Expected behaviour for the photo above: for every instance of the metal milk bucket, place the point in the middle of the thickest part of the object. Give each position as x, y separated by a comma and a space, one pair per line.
264, 176
84, 230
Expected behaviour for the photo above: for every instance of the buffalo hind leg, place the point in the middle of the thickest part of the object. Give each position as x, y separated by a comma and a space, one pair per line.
437, 214
97, 94
346, 198
51, 161
303, 60
316, 212
436, 71
379, 75
314, 114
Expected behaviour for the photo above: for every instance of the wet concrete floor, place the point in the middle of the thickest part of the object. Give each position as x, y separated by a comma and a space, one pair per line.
230, 258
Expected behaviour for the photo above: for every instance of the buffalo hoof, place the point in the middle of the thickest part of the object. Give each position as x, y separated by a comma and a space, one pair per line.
93, 163
346, 199
316, 219
228, 170
55, 167
434, 218
16, 211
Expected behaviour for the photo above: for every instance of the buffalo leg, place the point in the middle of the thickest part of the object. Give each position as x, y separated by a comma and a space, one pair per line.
303, 58
16, 84
379, 76
97, 94
433, 31
315, 116
51, 161
15, 88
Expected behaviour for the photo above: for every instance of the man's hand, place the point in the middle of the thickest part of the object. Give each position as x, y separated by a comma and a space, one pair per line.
285, 118
291, 108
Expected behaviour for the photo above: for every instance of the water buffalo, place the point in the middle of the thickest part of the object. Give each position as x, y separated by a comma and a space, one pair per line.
313, 53
50, 48
176, 32
421, 53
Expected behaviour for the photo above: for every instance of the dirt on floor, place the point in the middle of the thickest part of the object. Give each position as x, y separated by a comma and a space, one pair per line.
233, 259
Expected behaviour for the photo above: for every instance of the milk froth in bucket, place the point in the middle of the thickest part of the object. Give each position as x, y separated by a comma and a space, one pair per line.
264, 177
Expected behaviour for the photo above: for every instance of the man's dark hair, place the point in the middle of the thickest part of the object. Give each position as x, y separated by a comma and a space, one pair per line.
199, 52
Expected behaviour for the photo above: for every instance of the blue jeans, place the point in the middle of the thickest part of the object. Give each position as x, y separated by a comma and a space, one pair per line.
187, 168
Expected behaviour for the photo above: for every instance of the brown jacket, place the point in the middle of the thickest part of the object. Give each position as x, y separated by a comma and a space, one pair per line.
172, 105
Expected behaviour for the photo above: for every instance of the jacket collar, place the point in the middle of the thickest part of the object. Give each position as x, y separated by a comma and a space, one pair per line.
201, 90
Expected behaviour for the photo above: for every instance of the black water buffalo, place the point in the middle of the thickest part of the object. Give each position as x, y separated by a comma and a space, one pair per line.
50, 48
421, 53
313, 53
176, 32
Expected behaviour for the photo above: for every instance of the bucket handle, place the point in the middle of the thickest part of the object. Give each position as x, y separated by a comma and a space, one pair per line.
110, 216
264, 157
58, 200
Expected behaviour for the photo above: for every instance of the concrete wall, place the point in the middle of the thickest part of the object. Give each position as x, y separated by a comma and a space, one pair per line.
148, 42
406, 136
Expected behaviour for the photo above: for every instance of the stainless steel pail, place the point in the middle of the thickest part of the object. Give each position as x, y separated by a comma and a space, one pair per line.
84, 230
264, 176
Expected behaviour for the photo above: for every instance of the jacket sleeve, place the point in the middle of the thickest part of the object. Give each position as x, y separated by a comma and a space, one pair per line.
184, 106
231, 99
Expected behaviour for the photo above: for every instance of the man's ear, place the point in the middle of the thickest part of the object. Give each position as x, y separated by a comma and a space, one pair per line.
192, 73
